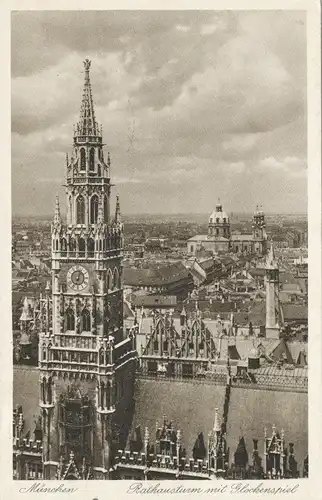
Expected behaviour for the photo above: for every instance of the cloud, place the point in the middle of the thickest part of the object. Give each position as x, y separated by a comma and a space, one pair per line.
295, 167
191, 103
180, 27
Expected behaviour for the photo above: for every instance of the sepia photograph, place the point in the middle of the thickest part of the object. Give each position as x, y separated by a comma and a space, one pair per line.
159, 254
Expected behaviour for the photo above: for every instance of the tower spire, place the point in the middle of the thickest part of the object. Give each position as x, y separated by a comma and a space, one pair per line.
271, 260
57, 217
100, 214
25, 315
117, 211
87, 125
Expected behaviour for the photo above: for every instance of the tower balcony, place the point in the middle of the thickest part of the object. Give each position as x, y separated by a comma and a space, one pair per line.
86, 256
87, 139
83, 180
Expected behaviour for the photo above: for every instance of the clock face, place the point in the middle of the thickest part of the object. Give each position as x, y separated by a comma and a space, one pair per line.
77, 278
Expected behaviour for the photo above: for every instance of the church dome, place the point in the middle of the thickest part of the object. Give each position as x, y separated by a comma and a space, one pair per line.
218, 216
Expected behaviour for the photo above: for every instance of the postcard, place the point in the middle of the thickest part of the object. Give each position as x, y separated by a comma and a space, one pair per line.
161, 249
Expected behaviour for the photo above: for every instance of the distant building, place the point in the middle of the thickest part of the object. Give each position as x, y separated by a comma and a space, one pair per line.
220, 239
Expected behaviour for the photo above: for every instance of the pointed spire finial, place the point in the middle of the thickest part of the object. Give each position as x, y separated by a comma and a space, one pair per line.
271, 260
216, 423
87, 124
87, 65
100, 214
57, 217
117, 210
25, 314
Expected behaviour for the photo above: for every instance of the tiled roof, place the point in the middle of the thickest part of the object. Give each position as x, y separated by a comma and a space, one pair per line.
199, 237
207, 264
250, 411
26, 394
189, 405
155, 277
296, 348
255, 272
291, 287
154, 301
242, 237
293, 312
127, 313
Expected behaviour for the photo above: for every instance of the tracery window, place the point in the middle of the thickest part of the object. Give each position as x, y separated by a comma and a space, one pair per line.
90, 247
115, 279
70, 319
81, 247
80, 209
91, 159
63, 244
105, 209
86, 320
72, 244
82, 159
94, 209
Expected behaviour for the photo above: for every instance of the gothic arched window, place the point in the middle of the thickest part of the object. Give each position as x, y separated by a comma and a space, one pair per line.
94, 209
70, 319
70, 205
86, 320
43, 389
82, 159
80, 210
90, 247
115, 279
49, 390
109, 280
91, 159
72, 244
105, 209
63, 245
99, 171
81, 247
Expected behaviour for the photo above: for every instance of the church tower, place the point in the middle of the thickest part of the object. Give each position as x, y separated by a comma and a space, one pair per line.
259, 232
272, 296
86, 362
219, 224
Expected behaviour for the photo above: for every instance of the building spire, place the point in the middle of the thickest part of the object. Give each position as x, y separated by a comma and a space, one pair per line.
100, 214
87, 125
117, 211
271, 260
57, 217
216, 423
25, 315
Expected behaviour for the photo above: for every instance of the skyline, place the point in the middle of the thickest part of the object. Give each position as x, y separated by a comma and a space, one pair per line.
217, 109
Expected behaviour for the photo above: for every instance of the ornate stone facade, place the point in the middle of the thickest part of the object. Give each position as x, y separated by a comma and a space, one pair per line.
86, 362
220, 239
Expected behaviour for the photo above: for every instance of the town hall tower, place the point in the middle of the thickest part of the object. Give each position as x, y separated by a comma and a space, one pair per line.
86, 360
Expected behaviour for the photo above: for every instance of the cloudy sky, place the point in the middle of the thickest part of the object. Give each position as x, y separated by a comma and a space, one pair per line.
194, 106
